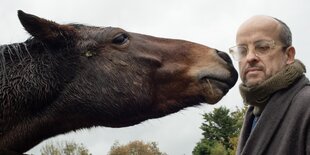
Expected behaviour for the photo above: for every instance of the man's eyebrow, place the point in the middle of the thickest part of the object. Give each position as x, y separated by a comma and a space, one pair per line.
242, 44
261, 40
255, 42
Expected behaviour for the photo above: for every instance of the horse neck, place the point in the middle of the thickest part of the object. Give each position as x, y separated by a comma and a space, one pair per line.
12, 58
14, 51
22, 87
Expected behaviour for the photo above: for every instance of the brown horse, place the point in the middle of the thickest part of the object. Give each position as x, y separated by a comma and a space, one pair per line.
73, 76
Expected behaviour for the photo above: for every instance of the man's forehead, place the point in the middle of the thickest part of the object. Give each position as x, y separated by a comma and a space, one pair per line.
260, 19
258, 27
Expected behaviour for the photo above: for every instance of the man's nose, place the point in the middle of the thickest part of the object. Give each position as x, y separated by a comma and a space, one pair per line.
251, 55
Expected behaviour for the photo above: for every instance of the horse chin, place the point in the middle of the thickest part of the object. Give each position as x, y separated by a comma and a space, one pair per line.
213, 90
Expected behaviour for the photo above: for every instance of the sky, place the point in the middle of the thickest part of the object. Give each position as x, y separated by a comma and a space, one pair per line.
210, 22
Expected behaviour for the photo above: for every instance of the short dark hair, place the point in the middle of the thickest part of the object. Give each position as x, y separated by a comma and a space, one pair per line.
285, 34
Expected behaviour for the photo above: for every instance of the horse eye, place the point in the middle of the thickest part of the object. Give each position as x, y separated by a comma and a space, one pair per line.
120, 39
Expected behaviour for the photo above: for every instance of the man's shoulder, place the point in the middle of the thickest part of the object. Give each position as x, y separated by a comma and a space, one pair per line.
304, 92
303, 88
302, 98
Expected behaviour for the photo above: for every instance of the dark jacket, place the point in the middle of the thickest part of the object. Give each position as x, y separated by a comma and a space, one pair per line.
283, 127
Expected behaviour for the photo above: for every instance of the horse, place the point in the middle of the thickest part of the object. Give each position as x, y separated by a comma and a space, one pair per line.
67, 77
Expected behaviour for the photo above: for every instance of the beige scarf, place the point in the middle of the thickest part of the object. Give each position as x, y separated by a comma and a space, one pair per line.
259, 95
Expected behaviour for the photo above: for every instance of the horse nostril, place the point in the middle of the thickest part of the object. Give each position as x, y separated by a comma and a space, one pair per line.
224, 56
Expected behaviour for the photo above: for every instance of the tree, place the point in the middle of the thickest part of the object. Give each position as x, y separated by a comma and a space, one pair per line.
220, 126
239, 115
203, 147
220, 130
218, 149
64, 148
135, 148
234, 142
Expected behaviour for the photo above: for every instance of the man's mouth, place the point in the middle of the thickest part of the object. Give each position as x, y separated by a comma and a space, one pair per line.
253, 70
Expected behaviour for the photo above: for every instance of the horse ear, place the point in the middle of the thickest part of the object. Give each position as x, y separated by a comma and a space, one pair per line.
47, 31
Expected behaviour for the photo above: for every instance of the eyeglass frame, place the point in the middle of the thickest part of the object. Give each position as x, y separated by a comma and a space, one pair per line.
272, 44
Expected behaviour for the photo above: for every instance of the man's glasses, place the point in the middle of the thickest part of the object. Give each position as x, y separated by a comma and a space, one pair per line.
261, 48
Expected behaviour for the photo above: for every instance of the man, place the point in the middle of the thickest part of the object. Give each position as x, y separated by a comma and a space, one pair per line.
274, 85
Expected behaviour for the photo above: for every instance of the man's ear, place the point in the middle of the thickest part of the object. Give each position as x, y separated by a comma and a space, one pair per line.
290, 54
47, 31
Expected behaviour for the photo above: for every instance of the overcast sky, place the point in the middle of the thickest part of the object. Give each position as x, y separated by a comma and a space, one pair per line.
209, 22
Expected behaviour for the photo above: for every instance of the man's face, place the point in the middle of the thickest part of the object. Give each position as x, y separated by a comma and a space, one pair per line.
253, 68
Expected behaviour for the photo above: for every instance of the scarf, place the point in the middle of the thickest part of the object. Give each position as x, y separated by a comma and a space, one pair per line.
259, 95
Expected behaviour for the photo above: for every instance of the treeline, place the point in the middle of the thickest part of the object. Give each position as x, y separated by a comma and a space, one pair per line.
221, 129
132, 148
